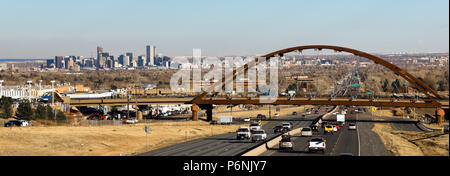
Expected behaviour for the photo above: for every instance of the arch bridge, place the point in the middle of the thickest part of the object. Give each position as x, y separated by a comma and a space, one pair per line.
434, 100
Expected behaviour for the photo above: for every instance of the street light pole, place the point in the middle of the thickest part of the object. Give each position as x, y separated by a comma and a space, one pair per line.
53, 99
40, 86
1, 88
29, 90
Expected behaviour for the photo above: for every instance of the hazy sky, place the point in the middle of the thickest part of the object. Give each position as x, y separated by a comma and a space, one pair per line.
45, 28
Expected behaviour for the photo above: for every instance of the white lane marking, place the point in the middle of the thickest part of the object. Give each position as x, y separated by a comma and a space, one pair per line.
359, 141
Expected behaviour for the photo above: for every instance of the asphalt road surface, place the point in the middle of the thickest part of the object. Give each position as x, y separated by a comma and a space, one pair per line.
226, 144
360, 142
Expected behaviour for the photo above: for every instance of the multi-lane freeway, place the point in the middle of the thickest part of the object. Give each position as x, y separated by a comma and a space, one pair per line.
226, 144
360, 142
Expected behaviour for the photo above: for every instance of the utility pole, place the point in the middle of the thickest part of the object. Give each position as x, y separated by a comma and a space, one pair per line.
1, 88
29, 90
53, 99
40, 85
128, 102
270, 112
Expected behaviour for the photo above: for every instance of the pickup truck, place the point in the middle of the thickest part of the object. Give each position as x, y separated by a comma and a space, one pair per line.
286, 143
259, 135
243, 133
255, 126
317, 144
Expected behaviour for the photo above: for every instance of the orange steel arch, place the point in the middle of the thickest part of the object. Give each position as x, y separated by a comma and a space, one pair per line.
422, 87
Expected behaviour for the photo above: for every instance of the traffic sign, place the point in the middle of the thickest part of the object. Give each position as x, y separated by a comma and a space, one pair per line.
374, 109
147, 129
355, 85
369, 93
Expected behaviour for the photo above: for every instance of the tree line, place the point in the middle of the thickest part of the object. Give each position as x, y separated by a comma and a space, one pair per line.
25, 111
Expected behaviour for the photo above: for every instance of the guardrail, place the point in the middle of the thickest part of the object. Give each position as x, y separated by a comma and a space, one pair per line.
423, 127
259, 149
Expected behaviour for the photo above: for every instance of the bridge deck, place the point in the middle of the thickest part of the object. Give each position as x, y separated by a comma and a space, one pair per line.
382, 102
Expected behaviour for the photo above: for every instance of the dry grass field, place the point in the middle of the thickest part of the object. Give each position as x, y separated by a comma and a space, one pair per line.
113, 140
101, 140
407, 143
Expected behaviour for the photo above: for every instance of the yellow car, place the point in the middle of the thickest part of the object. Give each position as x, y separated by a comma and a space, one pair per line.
328, 129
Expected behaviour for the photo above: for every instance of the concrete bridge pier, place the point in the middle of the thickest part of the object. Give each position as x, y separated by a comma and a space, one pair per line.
207, 107
139, 115
209, 113
440, 115
194, 109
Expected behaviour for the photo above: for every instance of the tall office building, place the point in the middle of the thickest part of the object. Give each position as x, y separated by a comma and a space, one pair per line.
126, 61
141, 61
121, 59
151, 53
99, 56
197, 56
130, 55
50, 63
58, 61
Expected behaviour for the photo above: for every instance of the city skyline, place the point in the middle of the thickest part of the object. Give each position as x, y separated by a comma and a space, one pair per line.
220, 28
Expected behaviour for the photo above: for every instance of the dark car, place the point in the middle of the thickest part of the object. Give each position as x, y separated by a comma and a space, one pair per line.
278, 129
314, 128
294, 113
446, 129
285, 129
213, 122
13, 123
260, 116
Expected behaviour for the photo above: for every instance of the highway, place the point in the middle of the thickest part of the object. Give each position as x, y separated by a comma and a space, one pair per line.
226, 144
360, 142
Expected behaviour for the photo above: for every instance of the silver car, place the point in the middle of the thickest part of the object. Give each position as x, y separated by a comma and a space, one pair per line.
352, 126
306, 131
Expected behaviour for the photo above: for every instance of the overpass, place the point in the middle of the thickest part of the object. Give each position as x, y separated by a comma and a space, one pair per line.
382, 102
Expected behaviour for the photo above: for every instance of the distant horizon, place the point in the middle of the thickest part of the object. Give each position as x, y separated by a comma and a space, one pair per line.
397, 53
44, 29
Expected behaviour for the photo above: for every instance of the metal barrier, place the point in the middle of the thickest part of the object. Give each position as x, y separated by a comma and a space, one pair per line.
100, 123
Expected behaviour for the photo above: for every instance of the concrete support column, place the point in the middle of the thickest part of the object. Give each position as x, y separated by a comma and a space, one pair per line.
194, 109
209, 114
439, 115
139, 115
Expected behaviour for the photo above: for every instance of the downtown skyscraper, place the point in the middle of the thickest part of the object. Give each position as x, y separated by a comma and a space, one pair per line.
151, 54
99, 56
